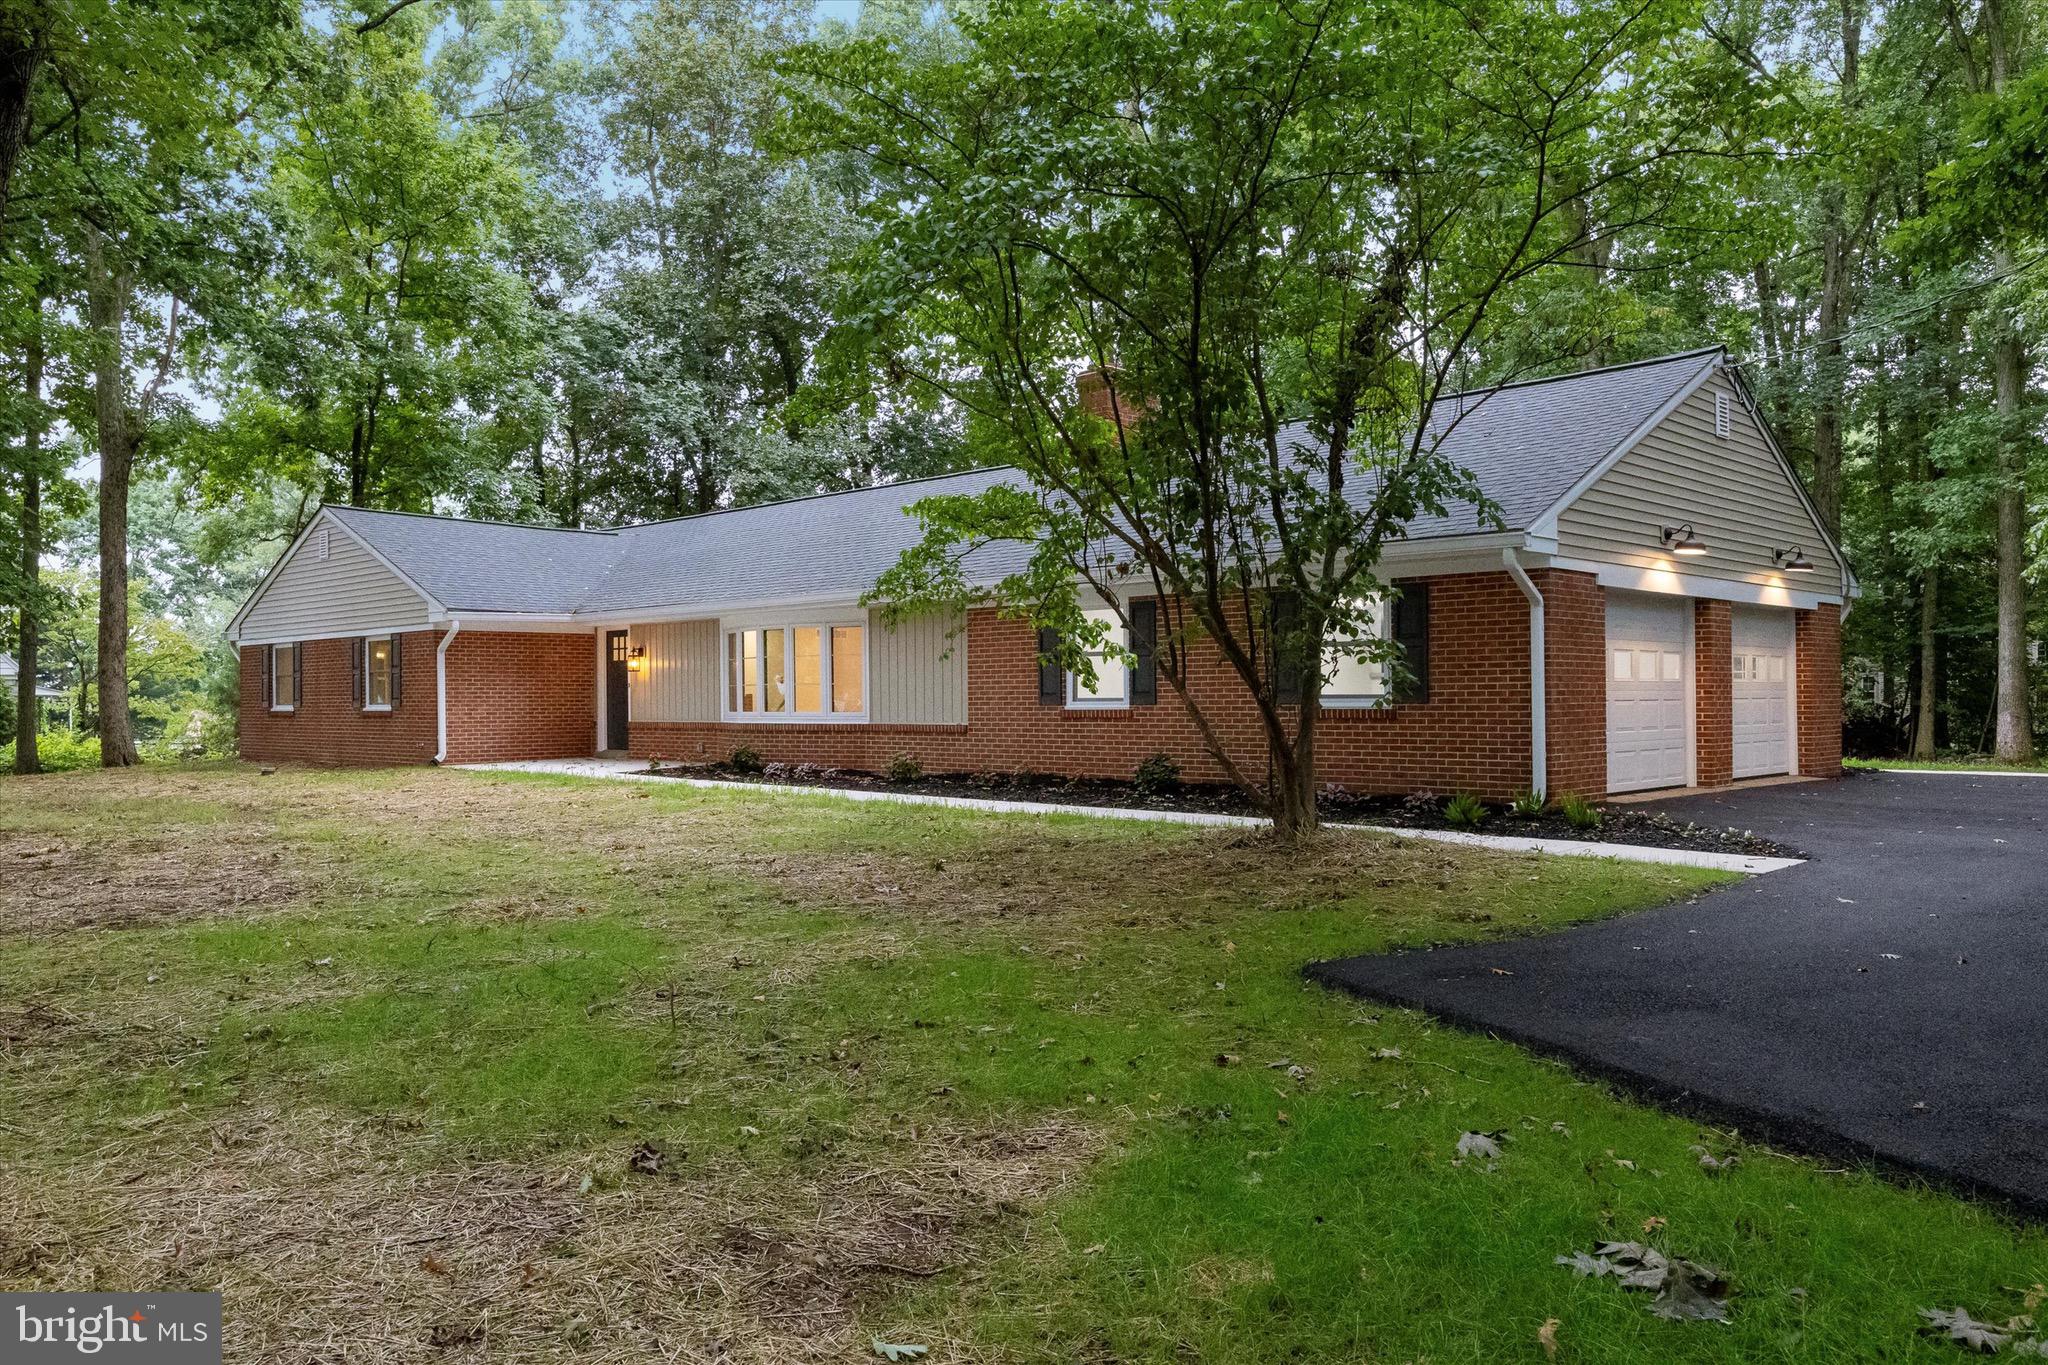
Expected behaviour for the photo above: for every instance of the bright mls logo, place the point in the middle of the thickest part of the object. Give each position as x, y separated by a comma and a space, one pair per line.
164, 1329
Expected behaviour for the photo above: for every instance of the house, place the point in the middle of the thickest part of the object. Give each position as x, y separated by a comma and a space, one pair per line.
52, 699
1661, 608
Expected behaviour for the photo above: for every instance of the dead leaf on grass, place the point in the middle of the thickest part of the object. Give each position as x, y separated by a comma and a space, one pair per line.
1484, 1146
1955, 1325
1546, 1337
897, 1351
1685, 1290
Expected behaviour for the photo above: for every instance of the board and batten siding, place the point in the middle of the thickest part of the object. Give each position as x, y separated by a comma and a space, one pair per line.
347, 591
918, 671
679, 673
1734, 491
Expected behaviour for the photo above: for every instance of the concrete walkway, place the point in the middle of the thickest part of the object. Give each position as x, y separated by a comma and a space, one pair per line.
633, 770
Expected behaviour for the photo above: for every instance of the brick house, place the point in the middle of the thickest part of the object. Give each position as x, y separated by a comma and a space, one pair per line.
1660, 608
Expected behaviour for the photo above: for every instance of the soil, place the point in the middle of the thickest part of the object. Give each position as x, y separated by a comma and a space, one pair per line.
1618, 824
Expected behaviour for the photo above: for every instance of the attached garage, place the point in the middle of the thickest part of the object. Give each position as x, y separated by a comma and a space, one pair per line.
1649, 692
1761, 692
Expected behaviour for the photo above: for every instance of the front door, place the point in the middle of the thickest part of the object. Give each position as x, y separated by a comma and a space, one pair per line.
615, 734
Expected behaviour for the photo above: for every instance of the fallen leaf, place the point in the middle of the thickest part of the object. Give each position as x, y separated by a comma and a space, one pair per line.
1485, 1146
1957, 1326
1500, 971
646, 1159
891, 1350
1714, 1165
1546, 1337
1653, 1222
434, 1265
1685, 1290
1387, 1054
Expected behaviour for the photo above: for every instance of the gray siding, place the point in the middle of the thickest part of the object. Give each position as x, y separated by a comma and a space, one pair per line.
918, 672
679, 675
346, 592
1733, 490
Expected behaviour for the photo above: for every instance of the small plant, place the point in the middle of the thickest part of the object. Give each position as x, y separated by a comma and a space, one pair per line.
1156, 776
1578, 812
746, 759
1527, 805
904, 768
1464, 811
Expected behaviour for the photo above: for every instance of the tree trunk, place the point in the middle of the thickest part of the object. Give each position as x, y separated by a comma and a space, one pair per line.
107, 299
28, 714
22, 52
1924, 711
2015, 736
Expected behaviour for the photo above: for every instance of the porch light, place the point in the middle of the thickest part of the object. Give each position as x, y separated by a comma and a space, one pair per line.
1792, 560
634, 657
1682, 541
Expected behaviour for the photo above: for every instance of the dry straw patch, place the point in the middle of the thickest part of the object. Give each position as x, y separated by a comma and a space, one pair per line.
334, 1241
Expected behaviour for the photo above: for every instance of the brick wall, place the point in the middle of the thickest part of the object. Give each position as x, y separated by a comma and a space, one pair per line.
1575, 681
1471, 734
1713, 637
1818, 649
510, 695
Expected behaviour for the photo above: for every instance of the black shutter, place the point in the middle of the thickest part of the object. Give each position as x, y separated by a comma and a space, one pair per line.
270, 677
397, 670
298, 674
1052, 679
355, 672
1411, 633
1145, 645
1284, 621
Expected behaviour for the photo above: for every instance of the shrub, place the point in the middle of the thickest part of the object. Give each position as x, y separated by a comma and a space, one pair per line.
904, 768
746, 759
58, 751
1578, 812
1528, 804
1156, 776
1464, 811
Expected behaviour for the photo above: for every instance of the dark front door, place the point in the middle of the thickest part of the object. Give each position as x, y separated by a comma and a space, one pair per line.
615, 689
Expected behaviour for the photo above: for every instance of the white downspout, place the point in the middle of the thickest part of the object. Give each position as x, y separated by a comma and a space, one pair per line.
1539, 736
441, 691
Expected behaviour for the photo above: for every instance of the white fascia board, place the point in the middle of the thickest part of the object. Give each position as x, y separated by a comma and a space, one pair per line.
301, 637
1545, 526
539, 622
1633, 578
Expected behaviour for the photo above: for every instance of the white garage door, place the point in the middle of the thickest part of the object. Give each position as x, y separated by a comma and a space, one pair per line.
1648, 692
1762, 695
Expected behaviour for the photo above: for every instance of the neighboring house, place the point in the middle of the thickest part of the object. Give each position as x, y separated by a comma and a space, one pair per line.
1683, 602
52, 697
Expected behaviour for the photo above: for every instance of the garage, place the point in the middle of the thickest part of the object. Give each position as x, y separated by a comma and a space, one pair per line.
1761, 696
1649, 692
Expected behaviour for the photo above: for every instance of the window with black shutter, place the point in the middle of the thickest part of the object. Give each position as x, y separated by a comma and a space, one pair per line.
1145, 649
1282, 625
1411, 633
1052, 679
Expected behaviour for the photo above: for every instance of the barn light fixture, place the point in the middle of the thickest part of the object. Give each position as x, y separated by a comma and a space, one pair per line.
1792, 560
1682, 541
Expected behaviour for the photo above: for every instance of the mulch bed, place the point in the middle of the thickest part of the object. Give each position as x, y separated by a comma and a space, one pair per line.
1618, 824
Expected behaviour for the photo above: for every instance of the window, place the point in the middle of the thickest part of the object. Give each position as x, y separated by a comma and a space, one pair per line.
1349, 680
284, 677
1112, 685
796, 673
377, 673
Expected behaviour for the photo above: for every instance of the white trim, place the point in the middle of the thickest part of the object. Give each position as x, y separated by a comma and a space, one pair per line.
632, 771
361, 633
1671, 583
1546, 525
370, 709
600, 741
1539, 682
826, 626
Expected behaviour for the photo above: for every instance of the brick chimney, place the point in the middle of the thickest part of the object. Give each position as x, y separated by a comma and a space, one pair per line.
1093, 389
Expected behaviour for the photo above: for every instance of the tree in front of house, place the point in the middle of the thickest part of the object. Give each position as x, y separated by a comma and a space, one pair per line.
1241, 217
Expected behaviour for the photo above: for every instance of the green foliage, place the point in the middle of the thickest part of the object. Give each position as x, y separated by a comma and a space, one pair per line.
62, 750
904, 768
1156, 775
1527, 805
1464, 811
746, 759
1578, 812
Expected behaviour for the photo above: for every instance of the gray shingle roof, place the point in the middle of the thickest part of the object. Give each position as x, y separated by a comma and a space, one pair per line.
1527, 444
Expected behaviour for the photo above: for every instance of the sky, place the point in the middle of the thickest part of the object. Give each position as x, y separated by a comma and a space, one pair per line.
848, 10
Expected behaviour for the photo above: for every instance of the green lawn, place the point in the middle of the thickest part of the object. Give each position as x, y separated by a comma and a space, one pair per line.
433, 1065
1984, 763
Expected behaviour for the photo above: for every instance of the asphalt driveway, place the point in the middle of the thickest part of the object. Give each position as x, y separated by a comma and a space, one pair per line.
1886, 1001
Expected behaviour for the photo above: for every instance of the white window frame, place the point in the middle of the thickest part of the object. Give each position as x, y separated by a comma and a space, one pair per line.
391, 647
1119, 636
729, 662
291, 671
1382, 628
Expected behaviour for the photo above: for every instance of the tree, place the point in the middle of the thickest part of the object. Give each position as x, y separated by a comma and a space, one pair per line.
1240, 216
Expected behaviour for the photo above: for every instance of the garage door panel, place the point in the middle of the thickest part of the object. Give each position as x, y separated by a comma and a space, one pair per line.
1761, 694
1648, 693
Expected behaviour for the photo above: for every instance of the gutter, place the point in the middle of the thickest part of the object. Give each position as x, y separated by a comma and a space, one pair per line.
441, 692
1539, 737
